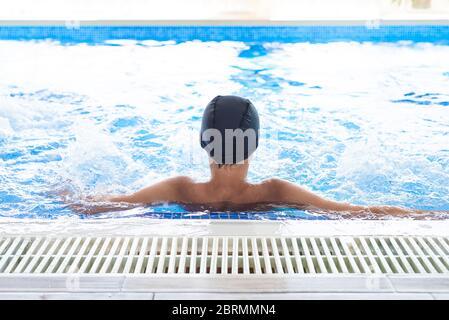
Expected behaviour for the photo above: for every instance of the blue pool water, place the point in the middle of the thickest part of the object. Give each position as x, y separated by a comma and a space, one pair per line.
355, 114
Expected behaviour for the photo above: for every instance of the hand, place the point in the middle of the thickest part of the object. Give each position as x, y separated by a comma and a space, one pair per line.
389, 210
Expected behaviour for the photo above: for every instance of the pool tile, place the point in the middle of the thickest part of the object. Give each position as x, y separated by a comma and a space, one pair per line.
234, 215
177, 215
312, 33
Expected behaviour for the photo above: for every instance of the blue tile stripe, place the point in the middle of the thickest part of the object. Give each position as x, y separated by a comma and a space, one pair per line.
281, 215
314, 34
286, 214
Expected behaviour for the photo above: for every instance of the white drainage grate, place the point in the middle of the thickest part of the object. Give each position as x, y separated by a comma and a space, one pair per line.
225, 255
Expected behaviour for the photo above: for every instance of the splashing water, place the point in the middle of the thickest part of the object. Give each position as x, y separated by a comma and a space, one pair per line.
366, 123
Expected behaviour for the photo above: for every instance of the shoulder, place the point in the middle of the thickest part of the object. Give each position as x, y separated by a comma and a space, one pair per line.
275, 183
184, 188
173, 184
180, 181
283, 190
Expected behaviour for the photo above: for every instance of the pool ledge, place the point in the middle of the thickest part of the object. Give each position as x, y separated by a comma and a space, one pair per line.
161, 227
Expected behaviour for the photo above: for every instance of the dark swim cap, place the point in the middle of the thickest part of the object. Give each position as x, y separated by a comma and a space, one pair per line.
234, 113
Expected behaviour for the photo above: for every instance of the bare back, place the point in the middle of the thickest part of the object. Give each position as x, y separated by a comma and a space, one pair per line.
243, 195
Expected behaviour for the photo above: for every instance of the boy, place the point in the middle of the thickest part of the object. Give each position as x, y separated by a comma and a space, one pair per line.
230, 134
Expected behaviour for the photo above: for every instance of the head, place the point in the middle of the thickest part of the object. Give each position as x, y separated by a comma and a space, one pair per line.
230, 130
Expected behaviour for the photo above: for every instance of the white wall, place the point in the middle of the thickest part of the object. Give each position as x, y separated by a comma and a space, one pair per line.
222, 9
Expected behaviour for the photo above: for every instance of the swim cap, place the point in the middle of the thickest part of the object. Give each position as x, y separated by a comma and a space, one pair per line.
230, 129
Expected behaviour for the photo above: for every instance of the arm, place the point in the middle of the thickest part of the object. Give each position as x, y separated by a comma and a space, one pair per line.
294, 194
169, 190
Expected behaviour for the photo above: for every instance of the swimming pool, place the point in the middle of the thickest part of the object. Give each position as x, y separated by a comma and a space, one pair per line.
354, 113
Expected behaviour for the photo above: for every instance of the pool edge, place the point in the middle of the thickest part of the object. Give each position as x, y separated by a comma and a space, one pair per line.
161, 227
249, 23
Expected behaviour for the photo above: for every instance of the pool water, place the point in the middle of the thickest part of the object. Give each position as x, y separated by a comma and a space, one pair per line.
360, 121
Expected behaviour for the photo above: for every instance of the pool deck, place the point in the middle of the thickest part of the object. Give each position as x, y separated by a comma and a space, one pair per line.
221, 287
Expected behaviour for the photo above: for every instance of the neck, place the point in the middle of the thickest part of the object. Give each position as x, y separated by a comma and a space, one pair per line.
229, 176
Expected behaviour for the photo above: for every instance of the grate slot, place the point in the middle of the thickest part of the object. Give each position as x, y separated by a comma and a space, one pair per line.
214, 258
80, 256
359, 256
58, 256
443, 245
4, 245
328, 255
310, 268
277, 258
415, 264
374, 267
296, 254
436, 260
428, 265
173, 255
378, 252
90, 256
152, 255
10, 253
402, 258
338, 253
99, 259
66, 257
48, 256
117, 262
131, 256
354, 268
142, 253
266, 257
27, 255
443, 258
162, 255
17, 257
256, 258
286, 254
392, 256
182, 260
235, 253
318, 255
193, 251
38, 256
